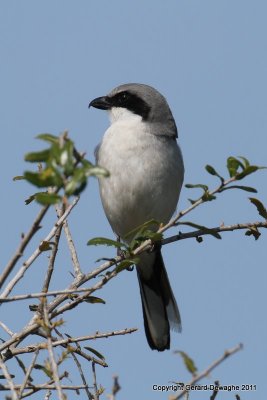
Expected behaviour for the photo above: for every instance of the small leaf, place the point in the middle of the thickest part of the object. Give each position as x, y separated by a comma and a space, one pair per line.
47, 198
97, 171
260, 207
48, 137
192, 201
127, 263
202, 228
212, 171
246, 188
245, 160
18, 178
253, 231
39, 156
46, 370
247, 171
77, 180
45, 246
95, 352
47, 177
94, 300
233, 164
148, 234
189, 363
207, 196
105, 241
198, 185
3, 377
152, 224
29, 199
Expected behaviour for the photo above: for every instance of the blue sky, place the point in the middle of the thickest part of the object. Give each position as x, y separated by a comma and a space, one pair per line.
209, 59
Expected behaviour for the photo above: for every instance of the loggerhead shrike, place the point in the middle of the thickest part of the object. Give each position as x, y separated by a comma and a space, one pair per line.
145, 163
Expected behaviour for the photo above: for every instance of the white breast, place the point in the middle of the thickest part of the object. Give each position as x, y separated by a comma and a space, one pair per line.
146, 174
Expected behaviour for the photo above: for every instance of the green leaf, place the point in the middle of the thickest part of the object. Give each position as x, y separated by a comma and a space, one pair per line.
202, 228
76, 183
260, 207
94, 300
47, 198
47, 137
105, 241
148, 234
198, 185
95, 352
45, 246
245, 160
127, 263
189, 363
97, 171
212, 171
39, 156
253, 231
192, 201
29, 199
246, 188
47, 177
247, 171
233, 164
207, 196
47, 371
152, 223
18, 178
66, 157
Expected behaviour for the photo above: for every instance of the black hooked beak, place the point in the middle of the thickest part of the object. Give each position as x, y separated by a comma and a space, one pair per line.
103, 103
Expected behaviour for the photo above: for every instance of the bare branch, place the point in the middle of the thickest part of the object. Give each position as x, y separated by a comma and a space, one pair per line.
74, 256
63, 342
5, 328
37, 252
8, 377
89, 394
53, 363
24, 242
96, 395
28, 373
53, 255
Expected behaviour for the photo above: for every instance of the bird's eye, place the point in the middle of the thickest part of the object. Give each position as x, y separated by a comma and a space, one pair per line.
123, 98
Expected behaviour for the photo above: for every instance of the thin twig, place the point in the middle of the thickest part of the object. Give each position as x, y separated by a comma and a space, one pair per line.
52, 259
217, 229
63, 342
197, 203
6, 328
10, 382
28, 373
24, 242
74, 256
44, 386
96, 395
37, 252
36, 388
77, 362
207, 371
53, 363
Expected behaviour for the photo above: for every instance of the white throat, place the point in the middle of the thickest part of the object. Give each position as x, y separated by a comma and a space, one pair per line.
121, 113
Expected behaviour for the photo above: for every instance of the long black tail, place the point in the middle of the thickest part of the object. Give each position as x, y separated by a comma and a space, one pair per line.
160, 310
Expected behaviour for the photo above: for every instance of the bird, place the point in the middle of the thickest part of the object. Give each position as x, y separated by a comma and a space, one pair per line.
146, 170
